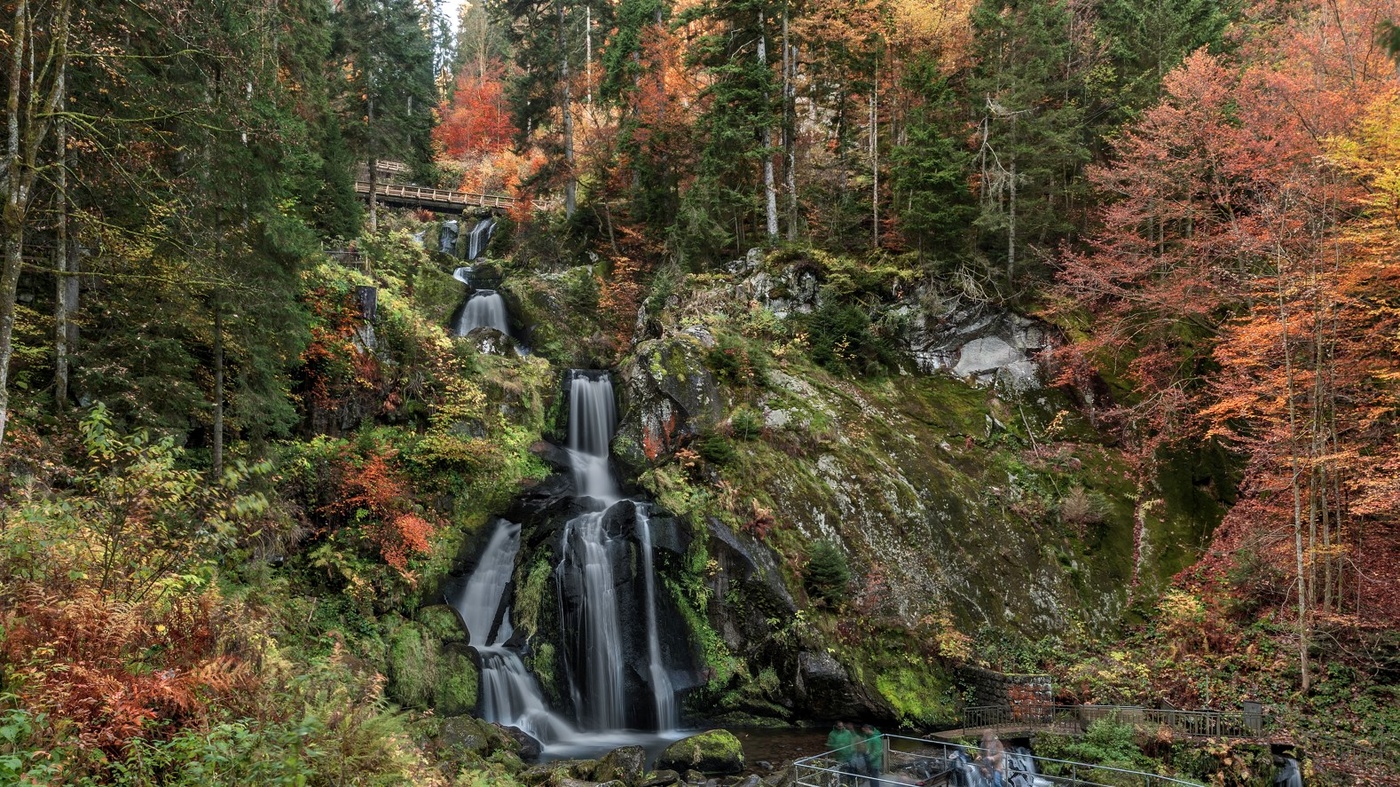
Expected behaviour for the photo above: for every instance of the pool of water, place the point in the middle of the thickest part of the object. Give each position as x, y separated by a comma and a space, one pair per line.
776, 747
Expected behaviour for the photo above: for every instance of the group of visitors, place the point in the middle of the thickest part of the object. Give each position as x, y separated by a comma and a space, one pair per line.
858, 751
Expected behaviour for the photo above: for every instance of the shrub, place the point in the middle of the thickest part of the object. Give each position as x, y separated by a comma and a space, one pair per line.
1079, 507
716, 448
746, 423
827, 573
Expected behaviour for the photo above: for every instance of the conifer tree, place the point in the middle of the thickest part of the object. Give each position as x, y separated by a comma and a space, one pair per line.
1028, 91
387, 91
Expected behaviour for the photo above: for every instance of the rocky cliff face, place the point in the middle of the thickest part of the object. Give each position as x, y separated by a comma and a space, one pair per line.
965, 498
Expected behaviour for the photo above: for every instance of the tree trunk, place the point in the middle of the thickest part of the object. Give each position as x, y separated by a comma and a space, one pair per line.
875, 161
790, 126
1297, 493
60, 309
12, 218
770, 189
218, 460
570, 184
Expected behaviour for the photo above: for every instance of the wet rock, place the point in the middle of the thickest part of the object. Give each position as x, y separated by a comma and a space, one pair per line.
529, 747
750, 781
554, 456
787, 777
763, 765
694, 777
554, 772
662, 778
490, 341
626, 763
464, 734
714, 751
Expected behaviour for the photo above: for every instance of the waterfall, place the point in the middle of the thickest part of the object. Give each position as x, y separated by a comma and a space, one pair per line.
592, 420
509, 694
586, 571
600, 576
662, 694
485, 309
479, 237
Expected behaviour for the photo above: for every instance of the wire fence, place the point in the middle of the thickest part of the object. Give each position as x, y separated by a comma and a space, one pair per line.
914, 761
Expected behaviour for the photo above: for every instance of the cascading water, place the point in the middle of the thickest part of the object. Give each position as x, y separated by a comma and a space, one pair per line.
485, 309
588, 585
595, 581
662, 693
479, 237
585, 573
509, 694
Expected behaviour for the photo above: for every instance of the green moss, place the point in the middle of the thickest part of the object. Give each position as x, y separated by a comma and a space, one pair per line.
918, 695
456, 689
542, 663
413, 666
530, 596
442, 622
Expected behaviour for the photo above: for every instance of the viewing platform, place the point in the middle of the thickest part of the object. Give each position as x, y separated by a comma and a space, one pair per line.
1008, 720
932, 763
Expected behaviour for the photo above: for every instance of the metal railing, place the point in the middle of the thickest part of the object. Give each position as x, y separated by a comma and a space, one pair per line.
1072, 719
914, 761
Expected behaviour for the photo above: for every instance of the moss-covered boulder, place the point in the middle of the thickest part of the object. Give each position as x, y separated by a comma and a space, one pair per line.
668, 397
712, 752
455, 691
413, 666
626, 763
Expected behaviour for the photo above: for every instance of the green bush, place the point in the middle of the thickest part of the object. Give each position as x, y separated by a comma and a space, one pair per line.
716, 448
827, 574
746, 423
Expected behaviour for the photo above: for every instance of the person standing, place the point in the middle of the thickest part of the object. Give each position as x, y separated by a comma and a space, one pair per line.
842, 745
874, 751
995, 754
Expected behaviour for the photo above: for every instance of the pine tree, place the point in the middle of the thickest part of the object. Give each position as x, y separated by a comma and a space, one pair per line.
1029, 92
387, 92
931, 168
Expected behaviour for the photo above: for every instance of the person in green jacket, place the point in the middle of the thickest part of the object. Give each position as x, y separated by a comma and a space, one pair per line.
842, 745
874, 750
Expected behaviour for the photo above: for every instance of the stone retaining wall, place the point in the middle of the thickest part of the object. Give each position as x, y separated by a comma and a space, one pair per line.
1006, 690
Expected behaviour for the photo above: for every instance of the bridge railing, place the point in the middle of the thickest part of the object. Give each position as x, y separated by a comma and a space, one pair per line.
426, 194
1070, 719
939, 764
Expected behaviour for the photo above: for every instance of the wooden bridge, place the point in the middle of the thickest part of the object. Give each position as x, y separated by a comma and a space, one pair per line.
436, 200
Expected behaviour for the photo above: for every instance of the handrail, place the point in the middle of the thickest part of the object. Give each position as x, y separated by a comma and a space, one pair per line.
429, 194
934, 766
1212, 723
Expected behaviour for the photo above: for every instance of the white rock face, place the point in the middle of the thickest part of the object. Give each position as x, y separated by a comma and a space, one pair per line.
989, 354
998, 348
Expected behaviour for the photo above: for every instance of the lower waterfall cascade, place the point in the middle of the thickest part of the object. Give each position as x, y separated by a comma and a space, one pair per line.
602, 613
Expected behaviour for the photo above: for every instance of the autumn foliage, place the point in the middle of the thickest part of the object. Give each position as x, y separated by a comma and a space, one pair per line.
1244, 285
477, 120
372, 491
121, 671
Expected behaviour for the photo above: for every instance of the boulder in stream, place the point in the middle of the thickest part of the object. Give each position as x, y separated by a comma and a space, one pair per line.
713, 751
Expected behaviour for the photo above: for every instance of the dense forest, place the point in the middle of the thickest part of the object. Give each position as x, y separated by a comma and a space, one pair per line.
927, 339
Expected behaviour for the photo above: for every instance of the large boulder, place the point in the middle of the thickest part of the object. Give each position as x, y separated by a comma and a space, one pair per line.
668, 396
627, 764
976, 344
713, 752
